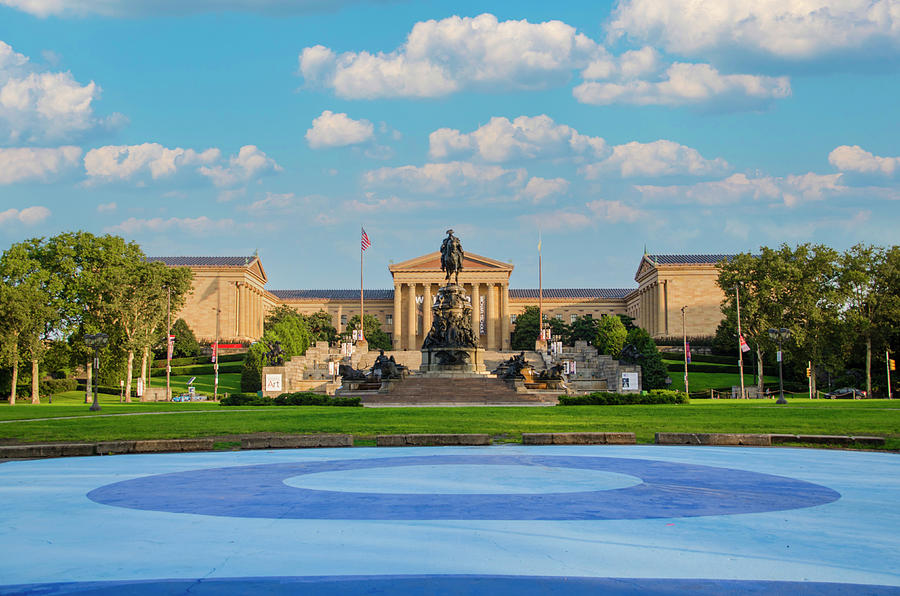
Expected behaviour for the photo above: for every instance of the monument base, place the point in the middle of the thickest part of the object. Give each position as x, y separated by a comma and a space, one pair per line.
452, 360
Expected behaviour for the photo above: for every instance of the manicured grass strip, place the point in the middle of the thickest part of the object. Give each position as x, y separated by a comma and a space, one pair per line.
801, 416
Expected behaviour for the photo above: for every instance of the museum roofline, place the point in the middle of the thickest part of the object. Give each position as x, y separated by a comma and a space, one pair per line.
550, 293
204, 261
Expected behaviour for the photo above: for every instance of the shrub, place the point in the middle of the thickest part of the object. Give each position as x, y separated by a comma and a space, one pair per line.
199, 369
54, 386
706, 368
302, 398
607, 398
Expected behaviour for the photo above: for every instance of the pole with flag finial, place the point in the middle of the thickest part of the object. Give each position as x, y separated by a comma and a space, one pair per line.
540, 293
363, 245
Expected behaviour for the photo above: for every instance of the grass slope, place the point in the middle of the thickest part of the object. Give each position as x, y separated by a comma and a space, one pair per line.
869, 417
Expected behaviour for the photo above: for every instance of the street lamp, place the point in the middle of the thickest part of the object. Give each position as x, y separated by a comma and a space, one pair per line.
779, 335
96, 341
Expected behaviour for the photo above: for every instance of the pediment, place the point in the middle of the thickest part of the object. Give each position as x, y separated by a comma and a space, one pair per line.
432, 262
647, 265
255, 269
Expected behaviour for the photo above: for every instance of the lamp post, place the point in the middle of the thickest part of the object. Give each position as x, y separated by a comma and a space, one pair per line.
778, 335
96, 341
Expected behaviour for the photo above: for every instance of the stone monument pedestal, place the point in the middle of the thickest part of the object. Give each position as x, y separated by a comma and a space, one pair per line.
451, 347
452, 360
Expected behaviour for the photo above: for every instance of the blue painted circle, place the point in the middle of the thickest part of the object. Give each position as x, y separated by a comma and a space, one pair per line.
668, 490
462, 479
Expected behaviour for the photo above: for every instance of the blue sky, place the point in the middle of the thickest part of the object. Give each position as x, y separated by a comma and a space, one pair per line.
220, 127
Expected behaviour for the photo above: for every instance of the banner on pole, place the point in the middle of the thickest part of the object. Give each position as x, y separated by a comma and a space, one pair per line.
171, 347
687, 351
744, 346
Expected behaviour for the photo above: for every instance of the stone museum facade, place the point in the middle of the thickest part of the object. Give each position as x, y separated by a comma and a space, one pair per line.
235, 286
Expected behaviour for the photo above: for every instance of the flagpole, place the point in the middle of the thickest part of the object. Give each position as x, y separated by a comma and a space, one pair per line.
737, 296
540, 293
362, 315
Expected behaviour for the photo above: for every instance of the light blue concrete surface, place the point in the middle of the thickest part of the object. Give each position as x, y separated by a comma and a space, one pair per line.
52, 532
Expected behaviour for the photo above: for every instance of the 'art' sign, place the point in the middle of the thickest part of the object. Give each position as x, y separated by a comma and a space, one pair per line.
273, 382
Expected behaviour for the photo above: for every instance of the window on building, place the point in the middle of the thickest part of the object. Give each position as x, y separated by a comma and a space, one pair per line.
343, 320
512, 319
573, 318
388, 319
559, 317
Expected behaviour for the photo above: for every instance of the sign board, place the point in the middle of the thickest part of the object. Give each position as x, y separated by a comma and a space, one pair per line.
629, 381
191, 390
273, 382
171, 347
140, 387
331, 368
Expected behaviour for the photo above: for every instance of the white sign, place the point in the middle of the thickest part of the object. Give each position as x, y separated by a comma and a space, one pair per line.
629, 381
273, 382
140, 387
331, 368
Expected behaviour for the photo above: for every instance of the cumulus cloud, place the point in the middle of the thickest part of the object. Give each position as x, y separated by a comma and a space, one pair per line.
659, 158
791, 189
452, 178
614, 211
442, 57
128, 162
194, 225
248, 164
28, 216
782, 29
38, 106
526, 137
563, 219
107, 207
539, 189
36, 165
687, 84
856, 159
133, 8
338, 130
376, 205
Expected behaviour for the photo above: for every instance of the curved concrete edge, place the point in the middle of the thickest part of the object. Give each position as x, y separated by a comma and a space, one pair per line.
297, 442
763, 440
587, 438
428, 440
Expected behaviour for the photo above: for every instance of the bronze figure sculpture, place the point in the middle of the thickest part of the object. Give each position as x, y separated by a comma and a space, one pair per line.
451, 256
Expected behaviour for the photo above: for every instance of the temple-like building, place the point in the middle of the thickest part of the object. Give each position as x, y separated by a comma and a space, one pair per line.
236, 288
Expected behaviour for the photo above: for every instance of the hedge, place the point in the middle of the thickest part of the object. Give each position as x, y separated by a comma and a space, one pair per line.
198, 369
302, 398
606, 398
106, 389
701, 358
46, 387
706, 368
199, 360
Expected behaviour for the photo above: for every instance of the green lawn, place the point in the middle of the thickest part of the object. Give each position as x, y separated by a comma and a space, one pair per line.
868, 417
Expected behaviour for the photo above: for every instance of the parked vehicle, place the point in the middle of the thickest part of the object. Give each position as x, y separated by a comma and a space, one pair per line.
847, 393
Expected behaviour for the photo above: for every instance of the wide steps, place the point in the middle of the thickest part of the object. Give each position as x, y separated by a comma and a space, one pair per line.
480, 390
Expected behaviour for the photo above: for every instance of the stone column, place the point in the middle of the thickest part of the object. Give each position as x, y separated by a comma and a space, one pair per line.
398, 314
651, 310
426, 311
660, 310
504, 316
411, 314
490, 320
340, 313
476, 311
245, 314
237, 309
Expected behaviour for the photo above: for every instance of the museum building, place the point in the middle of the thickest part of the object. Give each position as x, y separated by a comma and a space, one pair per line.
236, 288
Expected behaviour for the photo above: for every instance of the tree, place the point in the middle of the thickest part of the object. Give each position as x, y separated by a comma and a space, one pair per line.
611, 335
186, 344
321, 328
559, 330
653, 369
583, 328
377, 339
289, 329
525, 334
868, 286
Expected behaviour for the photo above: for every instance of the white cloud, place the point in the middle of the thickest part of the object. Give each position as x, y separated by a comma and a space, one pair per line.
688, 84
195, 225
539, 189
563, 219
373, 205
441, 57
857, 159
132, 8
28, 216
249, 163
30, 164
784, 29
107, 207
659, 158
615, 211
526, 137
451, 178
739, 187
128, 162
40, 106
338, 130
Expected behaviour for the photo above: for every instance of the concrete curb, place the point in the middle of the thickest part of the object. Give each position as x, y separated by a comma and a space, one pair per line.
297, 442
431, 440
829, 440
756, 440
600, 438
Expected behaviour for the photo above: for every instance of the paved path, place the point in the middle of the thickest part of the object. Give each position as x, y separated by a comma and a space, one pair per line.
480, 520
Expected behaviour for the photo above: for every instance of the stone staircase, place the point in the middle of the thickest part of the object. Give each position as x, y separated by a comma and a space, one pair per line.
481, 390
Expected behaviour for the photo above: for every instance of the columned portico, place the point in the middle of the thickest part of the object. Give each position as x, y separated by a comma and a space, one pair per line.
481, 277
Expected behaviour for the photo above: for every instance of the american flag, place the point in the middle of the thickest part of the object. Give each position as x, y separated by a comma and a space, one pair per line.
365, 240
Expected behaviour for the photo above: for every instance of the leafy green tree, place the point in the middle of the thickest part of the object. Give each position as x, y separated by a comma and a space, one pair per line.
583, 328
251, 371
628, 322
611, 335
280, 313
525, 334
377, 339
186, 344
559, 330
653, 370
321, 328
